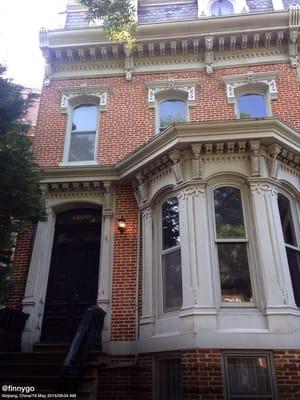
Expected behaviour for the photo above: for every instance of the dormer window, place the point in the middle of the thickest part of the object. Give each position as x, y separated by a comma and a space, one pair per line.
221, 8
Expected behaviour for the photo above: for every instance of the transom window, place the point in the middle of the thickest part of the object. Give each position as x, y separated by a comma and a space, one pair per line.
248, 377
252, 105
232, 246
171, 256
171, 111
221, 7
82, 143
292, 248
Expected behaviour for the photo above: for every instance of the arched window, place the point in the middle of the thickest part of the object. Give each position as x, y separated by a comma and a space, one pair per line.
82, 145
171, 111
252, 105
171, 255
291, 245
232, 245
221, 7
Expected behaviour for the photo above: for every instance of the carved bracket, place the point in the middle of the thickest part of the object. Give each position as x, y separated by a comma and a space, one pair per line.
68, 93
209, 54
175, 156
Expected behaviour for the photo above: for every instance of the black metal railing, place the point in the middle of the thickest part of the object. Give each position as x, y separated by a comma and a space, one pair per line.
87, 338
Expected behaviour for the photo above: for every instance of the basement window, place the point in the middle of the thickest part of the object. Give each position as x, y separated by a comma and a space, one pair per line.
248, 376
168, 384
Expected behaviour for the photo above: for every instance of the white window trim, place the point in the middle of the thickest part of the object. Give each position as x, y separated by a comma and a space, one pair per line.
162, 96
251, 82
246, 354
250, 240
73, 102
259, 89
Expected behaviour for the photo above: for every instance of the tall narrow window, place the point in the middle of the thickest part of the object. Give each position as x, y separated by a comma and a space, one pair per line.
232, 245
171, 111
221, 7
171, 256
248, 376
83, 133
168, 379
252, 105
291, 245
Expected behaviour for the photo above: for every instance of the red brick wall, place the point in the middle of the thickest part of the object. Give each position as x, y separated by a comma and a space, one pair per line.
202, 374
21, 265
124, 277
129, 122
287, 365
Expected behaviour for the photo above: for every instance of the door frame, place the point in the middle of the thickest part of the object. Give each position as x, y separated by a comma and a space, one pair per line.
37, 279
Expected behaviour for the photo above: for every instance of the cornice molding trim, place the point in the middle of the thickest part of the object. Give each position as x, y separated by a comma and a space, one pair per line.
213, 137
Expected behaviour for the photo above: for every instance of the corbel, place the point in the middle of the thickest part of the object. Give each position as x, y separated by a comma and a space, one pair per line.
294, 25
209, 54
175, 156
108, 200
255, 158
128, 64
143, 188
274, 151
196, 163
48, 67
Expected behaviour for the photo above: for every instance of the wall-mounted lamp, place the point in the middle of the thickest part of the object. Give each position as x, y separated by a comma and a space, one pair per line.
121, 224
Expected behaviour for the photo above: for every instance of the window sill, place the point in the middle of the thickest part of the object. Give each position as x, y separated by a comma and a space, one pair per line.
77, 163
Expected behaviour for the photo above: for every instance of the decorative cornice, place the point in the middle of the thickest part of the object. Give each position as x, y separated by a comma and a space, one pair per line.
266, 35
215, 138
99, 92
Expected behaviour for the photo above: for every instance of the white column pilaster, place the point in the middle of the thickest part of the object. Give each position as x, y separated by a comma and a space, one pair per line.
35, 292
147, 298
272, 259
195, 252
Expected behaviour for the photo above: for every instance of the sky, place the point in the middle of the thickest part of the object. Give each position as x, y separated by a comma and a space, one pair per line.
20, 22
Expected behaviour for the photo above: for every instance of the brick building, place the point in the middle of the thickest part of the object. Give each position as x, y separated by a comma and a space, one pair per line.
193, 141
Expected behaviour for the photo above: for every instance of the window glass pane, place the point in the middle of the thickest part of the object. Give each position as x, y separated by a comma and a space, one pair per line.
229, 213
286, 220
170, 223
171, 111
172, 280
82, 147
252, 106
221, 7
85, 118
234, 272
294, 265
249, 376
169, 380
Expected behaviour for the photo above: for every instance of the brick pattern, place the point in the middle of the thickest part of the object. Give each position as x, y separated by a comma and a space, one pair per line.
167, 12
124, 277
260, 5
287, 366
202, 374
21, 265
136, 121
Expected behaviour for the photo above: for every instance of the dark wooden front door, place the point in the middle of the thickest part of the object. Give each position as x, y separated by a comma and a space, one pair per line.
73, 277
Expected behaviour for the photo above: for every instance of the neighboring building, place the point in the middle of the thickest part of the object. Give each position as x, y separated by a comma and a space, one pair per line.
32, 111
193, 141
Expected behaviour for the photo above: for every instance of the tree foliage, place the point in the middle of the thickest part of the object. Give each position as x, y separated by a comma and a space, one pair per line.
118, 19
20, 195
